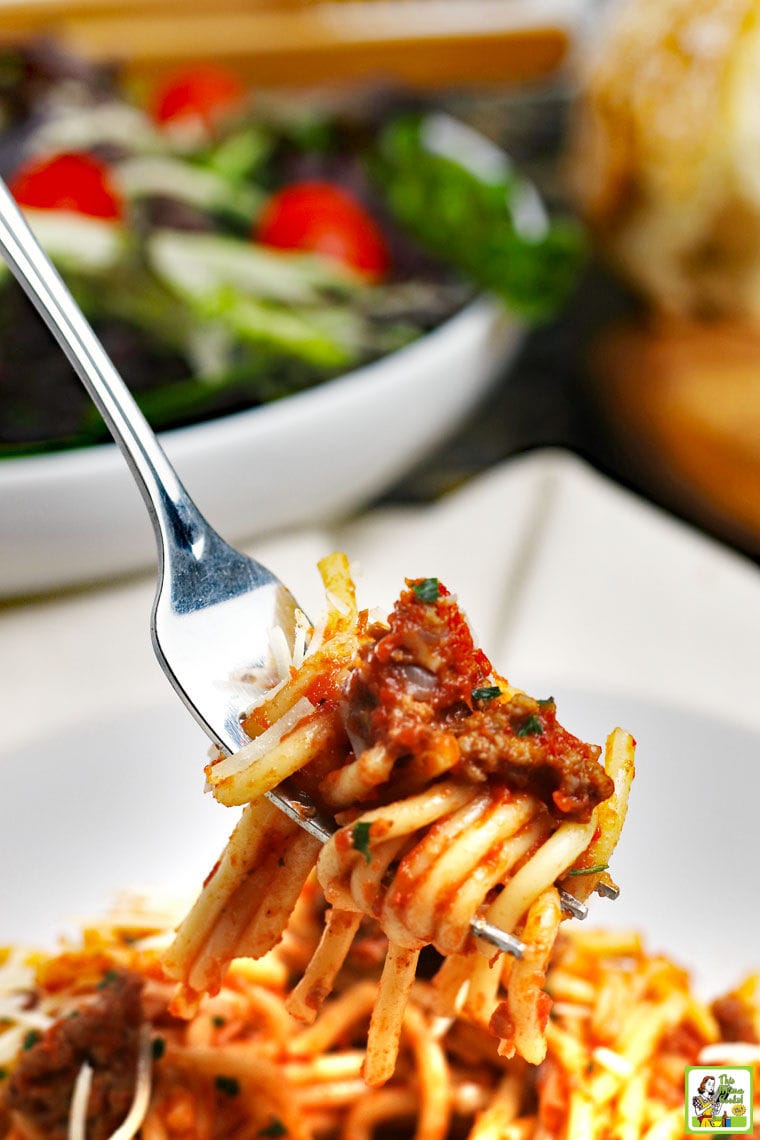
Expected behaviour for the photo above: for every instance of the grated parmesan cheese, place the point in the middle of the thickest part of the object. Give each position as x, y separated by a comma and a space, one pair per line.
614, 1062
280, 650
317, 638
262, 744
301, 640
130, 1126
337, 603
731, 1053
17, 980
77, 1129
571, 1009
143, 1084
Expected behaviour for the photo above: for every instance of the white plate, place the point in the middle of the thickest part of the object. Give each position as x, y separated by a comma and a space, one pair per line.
119, 804
688, 856
76, 516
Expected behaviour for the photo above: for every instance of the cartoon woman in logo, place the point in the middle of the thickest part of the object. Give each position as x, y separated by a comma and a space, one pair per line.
706, 1104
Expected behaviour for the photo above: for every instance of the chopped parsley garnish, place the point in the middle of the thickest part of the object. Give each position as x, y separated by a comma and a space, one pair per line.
486, 693
595, 870
360, 839
281, 861
219, 1021
3, 1074
107, 979
157, 1048
427, 589
545, 702
531, 726
276, 1128
230, 1086
31, 1039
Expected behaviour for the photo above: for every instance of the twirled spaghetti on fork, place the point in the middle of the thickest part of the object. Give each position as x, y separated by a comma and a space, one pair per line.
453, 795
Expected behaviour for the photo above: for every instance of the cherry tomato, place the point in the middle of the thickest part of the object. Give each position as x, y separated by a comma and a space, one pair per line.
202, 92
323, 218
71, 181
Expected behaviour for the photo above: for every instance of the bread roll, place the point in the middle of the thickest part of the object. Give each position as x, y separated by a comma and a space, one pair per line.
681, 400
665, 152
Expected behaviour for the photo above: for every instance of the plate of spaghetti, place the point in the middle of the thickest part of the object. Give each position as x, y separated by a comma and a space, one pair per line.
345, 989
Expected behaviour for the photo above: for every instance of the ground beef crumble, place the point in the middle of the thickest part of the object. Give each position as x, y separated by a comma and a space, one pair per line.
418, 686
521, 742
736, 1019
103, 1030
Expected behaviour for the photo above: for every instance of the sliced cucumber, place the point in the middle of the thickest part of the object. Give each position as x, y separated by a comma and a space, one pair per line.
199, 265
72, 125
77, 243
197, 185
329, 338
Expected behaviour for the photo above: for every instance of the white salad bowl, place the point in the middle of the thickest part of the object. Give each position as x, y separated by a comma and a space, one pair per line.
76, 516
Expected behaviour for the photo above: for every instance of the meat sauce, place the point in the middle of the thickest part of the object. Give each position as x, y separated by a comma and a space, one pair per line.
421, 686
736, 1019
102, 1030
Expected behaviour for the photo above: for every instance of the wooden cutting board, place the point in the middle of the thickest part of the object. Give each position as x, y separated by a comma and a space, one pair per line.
296, 42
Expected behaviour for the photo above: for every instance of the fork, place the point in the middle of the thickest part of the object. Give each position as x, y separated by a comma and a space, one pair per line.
214, 608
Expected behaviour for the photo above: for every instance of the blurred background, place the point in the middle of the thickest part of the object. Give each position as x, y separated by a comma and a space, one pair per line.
636, 122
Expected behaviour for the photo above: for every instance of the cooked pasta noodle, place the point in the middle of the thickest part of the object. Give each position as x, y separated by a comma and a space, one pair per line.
454, 795
624, 1026
328, 991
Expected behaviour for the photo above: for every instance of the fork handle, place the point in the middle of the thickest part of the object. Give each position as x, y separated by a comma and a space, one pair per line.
176, 520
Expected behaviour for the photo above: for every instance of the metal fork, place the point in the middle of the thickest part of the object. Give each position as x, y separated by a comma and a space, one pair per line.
214, 607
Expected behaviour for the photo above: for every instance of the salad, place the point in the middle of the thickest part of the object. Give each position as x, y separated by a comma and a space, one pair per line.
231, 249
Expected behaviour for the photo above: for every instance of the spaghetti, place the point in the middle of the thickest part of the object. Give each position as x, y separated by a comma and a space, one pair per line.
624, 1026
453, 794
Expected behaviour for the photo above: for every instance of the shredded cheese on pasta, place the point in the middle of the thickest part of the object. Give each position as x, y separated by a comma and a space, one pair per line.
79, 1103
259, 747
17, 1020
141, 1099
240, 1065
138, 1109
